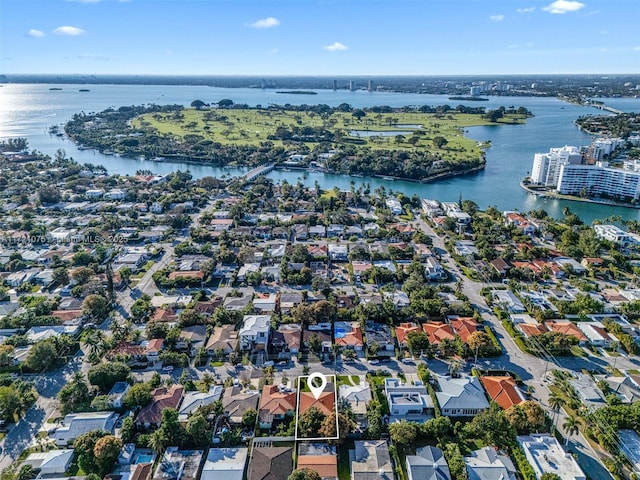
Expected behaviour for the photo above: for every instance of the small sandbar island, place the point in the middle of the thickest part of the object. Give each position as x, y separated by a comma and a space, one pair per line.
412, 143
607, 171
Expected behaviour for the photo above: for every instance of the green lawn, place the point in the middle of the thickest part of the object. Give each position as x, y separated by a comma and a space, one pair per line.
251, 127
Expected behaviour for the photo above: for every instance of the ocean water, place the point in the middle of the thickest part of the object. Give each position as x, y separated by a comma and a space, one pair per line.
28, 110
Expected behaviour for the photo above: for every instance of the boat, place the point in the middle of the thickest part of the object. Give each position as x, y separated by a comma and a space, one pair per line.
55, 88
158, 159
108, 152
82, 147
386, 177
84, 90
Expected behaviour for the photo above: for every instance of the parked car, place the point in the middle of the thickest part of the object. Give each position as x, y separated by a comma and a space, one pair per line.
408, 360
167, 369
374, 361
268, 363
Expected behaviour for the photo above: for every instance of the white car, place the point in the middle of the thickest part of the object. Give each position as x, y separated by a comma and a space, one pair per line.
407, 360
374, 361
167, 369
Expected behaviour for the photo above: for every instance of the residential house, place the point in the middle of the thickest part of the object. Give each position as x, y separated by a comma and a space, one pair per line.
115, 194
141, 471
567, 327
348, 335
487, 464
427, 464
403, 330
326, 401
338, 253
179, 464
194, 400
75, 424
236, 401
500, 266
292, 336
508, 301
596, 334
370, 460
275, 404
503, 390
300, 232
269, 461
265, 304
464, 327
254, 333
631, 440
358, 397
321, 458
192, 339
528, 325
161, 398
411, 402
317, 231
438, 331
433, 270
53, 462
545, 454
223, 338
588, 391
227, 463
381, 335
289, 301
117, 393
461, 397
152, 349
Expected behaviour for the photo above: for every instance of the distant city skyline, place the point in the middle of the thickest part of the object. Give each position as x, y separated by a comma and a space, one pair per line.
325, 37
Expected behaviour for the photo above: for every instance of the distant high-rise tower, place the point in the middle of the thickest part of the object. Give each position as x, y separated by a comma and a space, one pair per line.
370, 86
335, 84
263, 83
351, 85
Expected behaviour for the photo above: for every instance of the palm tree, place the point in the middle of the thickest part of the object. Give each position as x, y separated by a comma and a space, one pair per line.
556, 401
158, 442
571, 427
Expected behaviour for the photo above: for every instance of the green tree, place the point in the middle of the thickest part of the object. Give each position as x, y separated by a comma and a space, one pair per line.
106, 375
249, 418
106, 451
96, 307
455, 460
138, 395
25, 473
403, 433
197, 431
304, 474
41, 357
74, 396
310, 422
571, 427
84, 445
550, 476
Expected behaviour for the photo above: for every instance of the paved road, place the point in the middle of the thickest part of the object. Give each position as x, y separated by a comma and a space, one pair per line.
23, 434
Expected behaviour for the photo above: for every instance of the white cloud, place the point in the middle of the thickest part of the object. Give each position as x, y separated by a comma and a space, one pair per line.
69, 31
496, 18
526, 10
268, 22
335, 47
35, 33
563, 6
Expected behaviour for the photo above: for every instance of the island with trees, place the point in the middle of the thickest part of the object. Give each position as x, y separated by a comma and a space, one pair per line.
417, 143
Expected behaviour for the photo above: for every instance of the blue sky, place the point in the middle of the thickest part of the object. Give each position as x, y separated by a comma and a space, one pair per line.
322, 37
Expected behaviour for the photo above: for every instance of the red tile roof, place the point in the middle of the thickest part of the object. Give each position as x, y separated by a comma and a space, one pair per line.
276, 402
438, 331
566, 327
325, 402
352, 338
404, 329
502, 390
161, 398
464, 326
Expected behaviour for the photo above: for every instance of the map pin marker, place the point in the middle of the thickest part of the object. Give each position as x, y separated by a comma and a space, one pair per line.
316, 391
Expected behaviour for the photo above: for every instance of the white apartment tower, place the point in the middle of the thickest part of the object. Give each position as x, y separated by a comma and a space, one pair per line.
546, 166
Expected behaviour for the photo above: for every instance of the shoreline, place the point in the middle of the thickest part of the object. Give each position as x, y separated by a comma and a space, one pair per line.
558, 196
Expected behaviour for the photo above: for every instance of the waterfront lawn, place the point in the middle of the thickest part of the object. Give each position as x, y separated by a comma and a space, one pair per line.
252, 127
